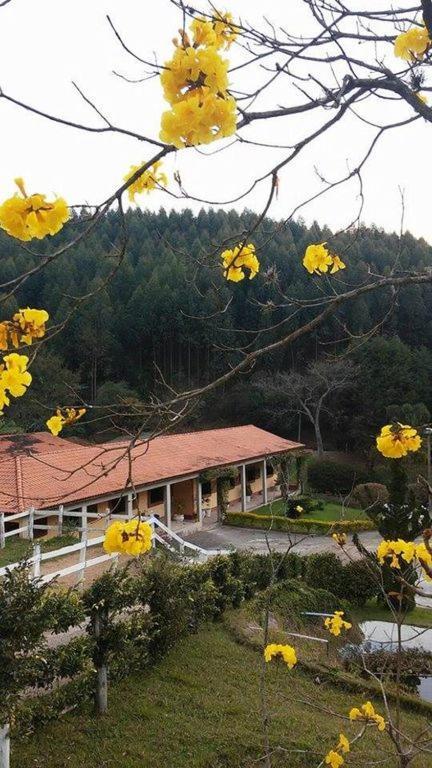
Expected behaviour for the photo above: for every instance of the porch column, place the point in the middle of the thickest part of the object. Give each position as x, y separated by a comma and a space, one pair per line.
264, 481
84, 522
168, 504
129, 506
199, 501
243, 487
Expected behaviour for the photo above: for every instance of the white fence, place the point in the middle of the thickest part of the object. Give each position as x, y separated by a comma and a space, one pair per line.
161, 534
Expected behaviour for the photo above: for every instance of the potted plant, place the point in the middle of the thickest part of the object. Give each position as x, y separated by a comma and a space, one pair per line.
248, 492
179, 512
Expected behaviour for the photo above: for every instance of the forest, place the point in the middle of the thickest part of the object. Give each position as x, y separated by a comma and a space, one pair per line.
161, 315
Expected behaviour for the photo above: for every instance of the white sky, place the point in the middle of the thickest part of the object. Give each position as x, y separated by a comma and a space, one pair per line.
47, 44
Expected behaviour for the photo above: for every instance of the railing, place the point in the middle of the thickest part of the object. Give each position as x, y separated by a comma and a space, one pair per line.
161, 534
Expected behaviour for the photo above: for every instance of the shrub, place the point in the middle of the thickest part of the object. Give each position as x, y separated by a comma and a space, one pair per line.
325, 570
368, 494
305, 502
305, 525
353, 582
360, 583
289, 598
327, 476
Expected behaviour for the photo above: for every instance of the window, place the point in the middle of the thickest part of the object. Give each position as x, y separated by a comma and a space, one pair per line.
234, 481
156, 495
206, 488
269, 470
252, 473
118, 506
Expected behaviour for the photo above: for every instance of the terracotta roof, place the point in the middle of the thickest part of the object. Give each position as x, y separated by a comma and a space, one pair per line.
79, 473
33, 442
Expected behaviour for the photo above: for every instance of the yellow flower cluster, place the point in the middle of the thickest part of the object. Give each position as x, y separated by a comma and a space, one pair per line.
195, 83
28, 217
286, 652
339, 538
336, 623
149, 180
130, 538
396, 440
391, 552
14, 377
219, 31
63, 418
367, 713
412, 44
334, 758
26, 325
318, 259
234, 259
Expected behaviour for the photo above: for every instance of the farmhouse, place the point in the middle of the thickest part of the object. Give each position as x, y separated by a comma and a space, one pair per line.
171, 476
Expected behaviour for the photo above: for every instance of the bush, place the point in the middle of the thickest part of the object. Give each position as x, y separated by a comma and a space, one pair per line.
368, 494
360, 583
353, 582
305, 525
327, 476
290, 598
325, 570
307, 504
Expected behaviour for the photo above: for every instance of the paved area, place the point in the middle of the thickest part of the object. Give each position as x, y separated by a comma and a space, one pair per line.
227, 537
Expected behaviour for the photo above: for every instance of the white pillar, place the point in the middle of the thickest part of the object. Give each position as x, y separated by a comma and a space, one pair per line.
60, 520
2, 531
129, 506
243, 487
199, 501
4, 746
84, 523
36, 561
264, 481
30, 528
168, 505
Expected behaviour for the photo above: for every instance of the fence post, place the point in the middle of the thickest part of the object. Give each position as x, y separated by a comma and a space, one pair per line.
82, 558
60, 520
36, 561
4, 746
130, 506
84, 521
31, 523
2, 531
101, 693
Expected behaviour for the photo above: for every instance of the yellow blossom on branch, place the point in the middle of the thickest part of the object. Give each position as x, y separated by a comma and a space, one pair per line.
26, 325
200, 118
286, 652
336, 623
368, 714
130, 538
190, 69
334, 759
396, 440
33, 216
391, 552
235, 259
220, 31
412, 44
63, 418
318, 259
339, 538
14, 377
149, 180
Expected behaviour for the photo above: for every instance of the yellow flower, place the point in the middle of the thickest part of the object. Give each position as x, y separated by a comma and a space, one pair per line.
149, 180
367, 713
234, 259
299, 509
14, 376
32, 217
190, 69
343, 745
130, 538
32, 324
413, 44
396, 440
200, 118
287, 652
56, 423
220, 31
318, 259
340, 538
396, 550
422, 97
336, 623
334, 759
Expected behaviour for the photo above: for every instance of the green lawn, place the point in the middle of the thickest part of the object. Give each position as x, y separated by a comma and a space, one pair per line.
331, 511
16, 549
420, 617
199, 708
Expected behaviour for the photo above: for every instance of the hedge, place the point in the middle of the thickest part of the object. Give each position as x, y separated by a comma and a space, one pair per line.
309, 525
327, 476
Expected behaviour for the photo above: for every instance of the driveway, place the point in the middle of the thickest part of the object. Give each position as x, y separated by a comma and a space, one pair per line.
226, 537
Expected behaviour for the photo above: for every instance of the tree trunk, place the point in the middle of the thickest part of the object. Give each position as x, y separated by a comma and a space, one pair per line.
318, 438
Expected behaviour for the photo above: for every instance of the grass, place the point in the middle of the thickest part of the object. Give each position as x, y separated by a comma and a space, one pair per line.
419, 617
199, 708
16, 549
330, 513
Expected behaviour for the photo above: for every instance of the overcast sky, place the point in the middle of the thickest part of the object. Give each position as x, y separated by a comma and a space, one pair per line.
45, 45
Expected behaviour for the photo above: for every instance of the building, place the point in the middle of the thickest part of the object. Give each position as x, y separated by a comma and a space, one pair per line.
163, 477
